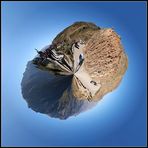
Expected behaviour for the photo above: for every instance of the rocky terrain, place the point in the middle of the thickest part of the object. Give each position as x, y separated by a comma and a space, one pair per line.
83, 63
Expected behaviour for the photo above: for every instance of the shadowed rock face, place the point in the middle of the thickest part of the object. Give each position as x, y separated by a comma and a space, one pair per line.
50, 94
83, 63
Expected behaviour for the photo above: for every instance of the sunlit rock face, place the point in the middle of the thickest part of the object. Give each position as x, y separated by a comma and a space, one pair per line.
82, 64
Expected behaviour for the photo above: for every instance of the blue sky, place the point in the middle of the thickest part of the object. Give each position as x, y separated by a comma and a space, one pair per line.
119, 119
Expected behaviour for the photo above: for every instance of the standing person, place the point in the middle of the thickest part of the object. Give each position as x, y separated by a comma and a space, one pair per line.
40, 53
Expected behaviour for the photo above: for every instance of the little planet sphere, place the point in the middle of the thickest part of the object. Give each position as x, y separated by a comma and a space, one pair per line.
69, 76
